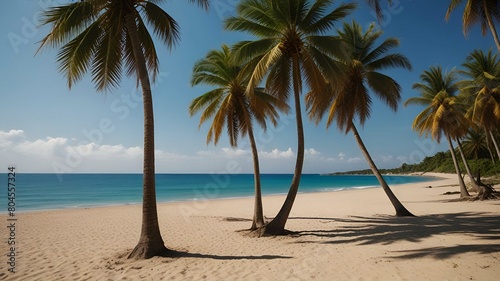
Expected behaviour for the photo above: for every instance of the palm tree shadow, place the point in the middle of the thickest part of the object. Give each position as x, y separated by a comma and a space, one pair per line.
388, 230
446, 252
182, 254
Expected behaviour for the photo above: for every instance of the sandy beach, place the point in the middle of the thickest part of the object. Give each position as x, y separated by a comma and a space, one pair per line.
343, 235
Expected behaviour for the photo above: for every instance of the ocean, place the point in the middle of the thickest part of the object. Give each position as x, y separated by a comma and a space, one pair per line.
48, 191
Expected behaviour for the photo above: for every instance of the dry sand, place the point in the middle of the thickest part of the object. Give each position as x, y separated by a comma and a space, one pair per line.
344, 235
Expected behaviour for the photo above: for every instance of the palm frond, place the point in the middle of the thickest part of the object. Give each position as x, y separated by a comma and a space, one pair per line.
107, 62
332, 69
262, 67
385, 87
164, 26
313, 76
205, 4
390, 61
322, 25
210, 98
417, 101
246, 50
67, 22
279, 80
453, 5
316, 11
318, 104
75, 57
388, 44
243, 24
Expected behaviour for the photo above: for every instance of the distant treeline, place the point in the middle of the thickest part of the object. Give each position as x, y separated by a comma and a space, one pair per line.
441, 162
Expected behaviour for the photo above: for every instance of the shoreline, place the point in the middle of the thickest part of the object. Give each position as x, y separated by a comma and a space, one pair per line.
173, 201
350, 234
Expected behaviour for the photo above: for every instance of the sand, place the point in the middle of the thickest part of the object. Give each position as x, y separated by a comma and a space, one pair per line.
343, 235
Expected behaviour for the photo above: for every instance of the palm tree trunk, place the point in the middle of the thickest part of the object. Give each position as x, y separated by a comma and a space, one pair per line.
494, 143
277, 225
150, 242
474, 183
488, 145
463, 189
401, 211
491, 25
258, 215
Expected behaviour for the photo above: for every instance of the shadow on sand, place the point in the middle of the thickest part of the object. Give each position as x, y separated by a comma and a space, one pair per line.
388, 230
181, 254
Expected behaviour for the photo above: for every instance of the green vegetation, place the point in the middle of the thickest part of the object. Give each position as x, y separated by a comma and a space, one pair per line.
441, 162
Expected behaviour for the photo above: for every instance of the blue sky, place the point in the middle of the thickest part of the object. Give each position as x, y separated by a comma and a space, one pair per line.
45, 127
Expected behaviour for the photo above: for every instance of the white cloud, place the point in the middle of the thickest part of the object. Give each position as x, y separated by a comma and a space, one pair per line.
46, 147
206, 153
233, 153
224, 152
7, 138
278, 154
388, 158
402, 159
354, 160
160, 154
93, 150
73, 155
312, 152
341, 156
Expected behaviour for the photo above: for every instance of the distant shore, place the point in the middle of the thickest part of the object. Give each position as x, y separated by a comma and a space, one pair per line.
47, 192
350, 234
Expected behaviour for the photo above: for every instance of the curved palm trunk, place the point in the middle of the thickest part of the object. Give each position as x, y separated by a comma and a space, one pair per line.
258, 215
277, 225
491, 25
494, 143
463, 189
150, 242
401, 211
488, 145
473, 181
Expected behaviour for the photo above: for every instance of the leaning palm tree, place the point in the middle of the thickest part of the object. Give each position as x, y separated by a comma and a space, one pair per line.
291, 49
482, 87
475, 145
484, 12
229, 107
107, 37
441, 115
351, 99
460, 130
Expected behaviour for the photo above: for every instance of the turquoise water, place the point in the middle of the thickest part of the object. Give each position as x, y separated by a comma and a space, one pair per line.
47, 191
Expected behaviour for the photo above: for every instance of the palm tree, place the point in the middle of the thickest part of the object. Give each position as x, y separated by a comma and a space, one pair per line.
229, 107
291, 49
483, 83
351, 99
475, 145
442, 114
107, 37
462, 128
484, 12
